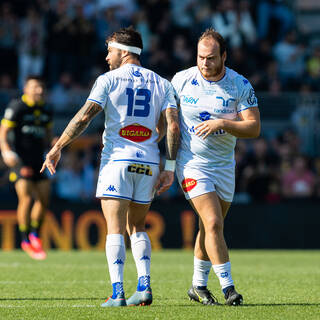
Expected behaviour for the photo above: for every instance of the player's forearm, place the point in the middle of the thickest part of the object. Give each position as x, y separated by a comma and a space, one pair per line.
4, 144
173, 134
241, 129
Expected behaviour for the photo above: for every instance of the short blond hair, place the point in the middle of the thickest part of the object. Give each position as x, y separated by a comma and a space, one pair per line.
211, 33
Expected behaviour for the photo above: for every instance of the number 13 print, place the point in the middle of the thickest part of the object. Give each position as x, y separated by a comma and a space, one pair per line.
133, 103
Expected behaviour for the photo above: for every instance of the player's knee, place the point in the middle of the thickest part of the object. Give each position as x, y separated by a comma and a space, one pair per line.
214, 225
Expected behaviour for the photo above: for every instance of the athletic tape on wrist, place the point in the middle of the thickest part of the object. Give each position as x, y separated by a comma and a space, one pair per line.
121, 46
170, 165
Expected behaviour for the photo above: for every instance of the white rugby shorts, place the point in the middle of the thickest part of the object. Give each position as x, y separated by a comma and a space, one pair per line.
198, 181
127, 180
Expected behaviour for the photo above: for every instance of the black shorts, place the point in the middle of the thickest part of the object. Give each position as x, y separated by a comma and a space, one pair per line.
28, 172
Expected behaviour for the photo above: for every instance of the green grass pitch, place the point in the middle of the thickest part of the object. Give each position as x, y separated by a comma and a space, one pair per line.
72, 285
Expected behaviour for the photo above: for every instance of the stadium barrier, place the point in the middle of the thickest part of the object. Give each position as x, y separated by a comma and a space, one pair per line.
173, 224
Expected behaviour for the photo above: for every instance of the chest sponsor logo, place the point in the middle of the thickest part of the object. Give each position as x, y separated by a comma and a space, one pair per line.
140, 169
188, 184
189, 100
225, 102
135, 133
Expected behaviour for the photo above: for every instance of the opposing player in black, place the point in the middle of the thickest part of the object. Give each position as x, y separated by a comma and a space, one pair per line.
25, 134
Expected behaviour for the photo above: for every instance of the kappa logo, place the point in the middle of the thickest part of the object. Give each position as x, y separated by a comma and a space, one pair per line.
137, 73
118, 261
188, 184
203, 116
135, 132
139, 154
194, 82
111, 188
224, 274
145, 258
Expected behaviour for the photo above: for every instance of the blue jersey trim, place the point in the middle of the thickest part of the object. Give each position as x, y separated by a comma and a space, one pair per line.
115, 196
126, 198
100, 103
139, 201
211, 81
247, 108
138, 161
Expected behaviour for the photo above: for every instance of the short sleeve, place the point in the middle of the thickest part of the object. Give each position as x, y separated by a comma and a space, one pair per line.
11, 115
176, 86
170, 100
247, 98
100, 90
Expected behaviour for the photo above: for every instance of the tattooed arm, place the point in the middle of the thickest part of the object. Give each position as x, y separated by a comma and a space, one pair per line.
75, 127
166, 177
173, 133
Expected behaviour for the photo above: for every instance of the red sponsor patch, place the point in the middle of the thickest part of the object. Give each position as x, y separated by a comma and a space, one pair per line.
188, 184
135, 132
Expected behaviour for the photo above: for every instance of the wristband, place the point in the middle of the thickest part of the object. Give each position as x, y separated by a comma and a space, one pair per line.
170, 165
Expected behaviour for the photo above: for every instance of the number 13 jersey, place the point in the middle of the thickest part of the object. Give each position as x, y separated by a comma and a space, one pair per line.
132, 98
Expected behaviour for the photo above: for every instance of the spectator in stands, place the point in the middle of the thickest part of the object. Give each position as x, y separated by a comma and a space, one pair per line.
31, 45
8, 40
68, 179
225, 20
60, 42
274, 19
246, 24
313, 68
60, 93
84, 39
290, 56
299, 181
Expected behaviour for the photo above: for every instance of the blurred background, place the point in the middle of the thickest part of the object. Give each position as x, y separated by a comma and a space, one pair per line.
275, 44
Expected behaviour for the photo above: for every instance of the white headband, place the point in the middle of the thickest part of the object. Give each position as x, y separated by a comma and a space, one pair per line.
120, 46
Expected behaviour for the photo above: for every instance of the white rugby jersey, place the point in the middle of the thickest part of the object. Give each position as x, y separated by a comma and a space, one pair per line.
132, 98
202, 100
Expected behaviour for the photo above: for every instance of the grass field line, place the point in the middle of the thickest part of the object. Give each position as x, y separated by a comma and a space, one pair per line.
53, 281
52, 306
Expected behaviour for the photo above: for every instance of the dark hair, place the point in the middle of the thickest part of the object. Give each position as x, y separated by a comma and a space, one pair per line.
211, 33
128, 36
35, 77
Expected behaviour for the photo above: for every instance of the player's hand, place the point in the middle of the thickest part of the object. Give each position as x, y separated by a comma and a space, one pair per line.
207, 127
51, 161
10, 158
164, 181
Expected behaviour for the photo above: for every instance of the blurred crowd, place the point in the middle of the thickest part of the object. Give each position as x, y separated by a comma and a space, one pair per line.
267, 171
64, 41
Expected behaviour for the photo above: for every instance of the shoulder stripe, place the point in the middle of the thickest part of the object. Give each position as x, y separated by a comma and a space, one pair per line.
247, 108
8, 123
96, 101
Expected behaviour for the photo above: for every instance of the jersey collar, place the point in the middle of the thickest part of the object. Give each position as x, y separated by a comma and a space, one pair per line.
30, 103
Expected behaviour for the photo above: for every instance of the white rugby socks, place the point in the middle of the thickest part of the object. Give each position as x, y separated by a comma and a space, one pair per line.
201, 270
141, 251
223, 272
116, 256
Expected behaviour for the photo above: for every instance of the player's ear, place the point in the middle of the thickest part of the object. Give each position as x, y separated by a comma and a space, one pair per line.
224, 56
